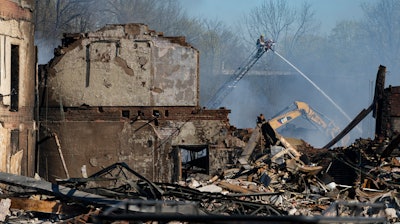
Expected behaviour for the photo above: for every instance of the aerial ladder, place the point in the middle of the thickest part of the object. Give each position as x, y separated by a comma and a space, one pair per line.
229, 84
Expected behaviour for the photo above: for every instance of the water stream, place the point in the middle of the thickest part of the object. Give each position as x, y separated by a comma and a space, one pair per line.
315, 85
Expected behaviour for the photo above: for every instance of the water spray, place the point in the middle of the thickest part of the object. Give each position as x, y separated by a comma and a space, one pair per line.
315, 85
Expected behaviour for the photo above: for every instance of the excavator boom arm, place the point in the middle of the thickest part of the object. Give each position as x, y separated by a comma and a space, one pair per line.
303, 109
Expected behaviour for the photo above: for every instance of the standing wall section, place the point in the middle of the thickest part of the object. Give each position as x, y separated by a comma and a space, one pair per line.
127, 94
17, 87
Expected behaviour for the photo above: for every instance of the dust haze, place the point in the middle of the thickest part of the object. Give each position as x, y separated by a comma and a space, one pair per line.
342, 63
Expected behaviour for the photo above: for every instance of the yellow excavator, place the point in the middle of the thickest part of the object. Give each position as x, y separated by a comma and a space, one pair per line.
301, 109
269, 129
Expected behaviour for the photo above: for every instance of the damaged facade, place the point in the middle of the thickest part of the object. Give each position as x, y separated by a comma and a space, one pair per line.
388, 117
127, 93
17, 87
119, 118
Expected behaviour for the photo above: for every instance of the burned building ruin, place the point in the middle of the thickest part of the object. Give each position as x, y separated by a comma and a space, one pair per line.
120, 106
127, 93
17, 87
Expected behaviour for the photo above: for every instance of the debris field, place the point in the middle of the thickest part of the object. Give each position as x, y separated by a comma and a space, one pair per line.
111, 130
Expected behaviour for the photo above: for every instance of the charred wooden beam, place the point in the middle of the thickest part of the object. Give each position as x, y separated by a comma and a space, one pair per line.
72, 194
350, 126
392, 146
251, 144
216, 203
54, 189
378, 101
379, 89
155, 190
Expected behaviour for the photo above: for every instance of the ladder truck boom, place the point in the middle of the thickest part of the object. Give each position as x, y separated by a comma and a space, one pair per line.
228, 86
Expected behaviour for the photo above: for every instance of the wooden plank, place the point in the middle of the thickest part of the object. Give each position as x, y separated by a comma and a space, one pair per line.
15, 166
44, 206
233, 187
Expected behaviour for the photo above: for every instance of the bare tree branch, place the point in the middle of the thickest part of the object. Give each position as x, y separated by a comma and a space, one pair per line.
277, 21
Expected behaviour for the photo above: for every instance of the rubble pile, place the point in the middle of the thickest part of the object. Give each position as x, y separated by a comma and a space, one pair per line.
285, 180
320, 178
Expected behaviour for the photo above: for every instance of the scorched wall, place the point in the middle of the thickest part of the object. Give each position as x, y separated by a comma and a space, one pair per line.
127, 94
389, 114
123, 65
17, 87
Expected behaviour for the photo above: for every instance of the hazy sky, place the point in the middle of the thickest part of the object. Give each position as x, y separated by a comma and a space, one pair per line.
328, 12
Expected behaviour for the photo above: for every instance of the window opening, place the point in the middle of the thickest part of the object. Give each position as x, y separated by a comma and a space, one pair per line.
14, 77
125, 113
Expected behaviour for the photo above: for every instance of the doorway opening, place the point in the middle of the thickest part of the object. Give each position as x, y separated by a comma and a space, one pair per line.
194, 159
